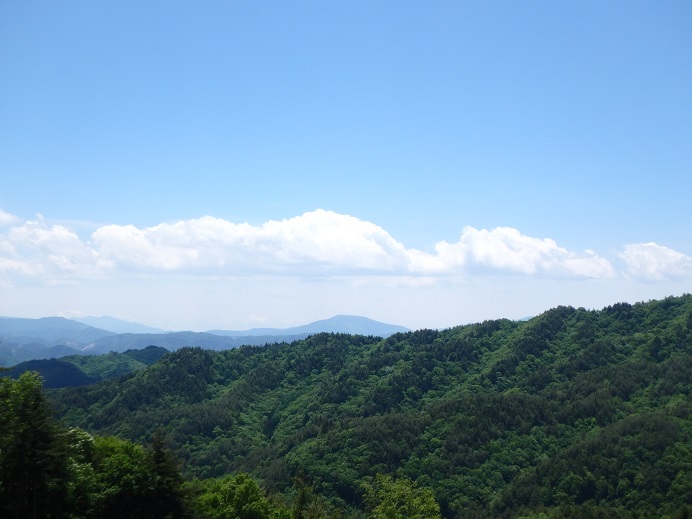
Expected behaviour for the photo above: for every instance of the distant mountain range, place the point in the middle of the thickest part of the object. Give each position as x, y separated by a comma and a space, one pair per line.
338, 324
24, 339
51, 331
117, 325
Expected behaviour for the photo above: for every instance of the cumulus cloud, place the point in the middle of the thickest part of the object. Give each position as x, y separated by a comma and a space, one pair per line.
321, 239
35, 249
317, 243
507, 250
7, 218
651, 261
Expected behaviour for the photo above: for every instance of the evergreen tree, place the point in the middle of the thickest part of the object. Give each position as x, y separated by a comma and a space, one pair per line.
166, 480
33, 452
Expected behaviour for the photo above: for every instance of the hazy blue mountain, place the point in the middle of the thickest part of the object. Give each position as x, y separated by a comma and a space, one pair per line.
12, 353
117, 325
54, 337
51, 331
352, 324
60, 351
23, 339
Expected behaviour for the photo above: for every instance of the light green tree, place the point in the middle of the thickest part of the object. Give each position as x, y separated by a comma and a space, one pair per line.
236, 497
387, 498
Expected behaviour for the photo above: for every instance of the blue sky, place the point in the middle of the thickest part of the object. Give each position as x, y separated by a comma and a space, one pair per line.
239, 164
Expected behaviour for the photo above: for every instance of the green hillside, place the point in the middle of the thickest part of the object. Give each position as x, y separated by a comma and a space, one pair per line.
55, 373
574, 413
114, 364
82, 370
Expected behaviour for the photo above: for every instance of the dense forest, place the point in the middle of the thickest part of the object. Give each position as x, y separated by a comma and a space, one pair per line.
574, 413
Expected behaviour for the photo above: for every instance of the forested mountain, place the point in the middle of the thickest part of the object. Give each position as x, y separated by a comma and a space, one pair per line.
81, 370
48, 471
572, 413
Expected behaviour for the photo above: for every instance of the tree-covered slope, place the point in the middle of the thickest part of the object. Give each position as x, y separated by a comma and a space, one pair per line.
114, 364
573, 408
82, 370
55, 373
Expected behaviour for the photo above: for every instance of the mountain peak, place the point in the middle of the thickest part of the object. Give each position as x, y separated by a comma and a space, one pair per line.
353, 324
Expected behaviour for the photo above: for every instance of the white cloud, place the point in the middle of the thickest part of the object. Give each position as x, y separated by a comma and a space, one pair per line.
150, 248
505, 249
320, 240
315, 244
7, 218
651, 261
36, 250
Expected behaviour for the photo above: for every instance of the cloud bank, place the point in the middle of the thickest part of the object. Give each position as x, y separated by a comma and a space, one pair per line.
316, 244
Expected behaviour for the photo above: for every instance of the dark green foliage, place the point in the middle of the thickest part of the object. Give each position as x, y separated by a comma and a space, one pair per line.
48, 471
165, 477
572, 413
148, 355
33, 452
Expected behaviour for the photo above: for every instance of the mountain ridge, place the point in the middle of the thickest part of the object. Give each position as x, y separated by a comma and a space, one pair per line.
354, 324
49, 329
24, 339
115, 325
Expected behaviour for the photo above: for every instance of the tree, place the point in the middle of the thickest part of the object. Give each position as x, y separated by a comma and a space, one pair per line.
166, 479
387, 498
33, 451
130, 481
123, 480
235, 497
